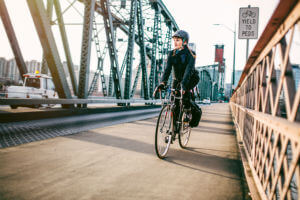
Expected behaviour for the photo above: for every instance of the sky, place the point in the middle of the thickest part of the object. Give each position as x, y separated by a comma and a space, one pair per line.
195, 16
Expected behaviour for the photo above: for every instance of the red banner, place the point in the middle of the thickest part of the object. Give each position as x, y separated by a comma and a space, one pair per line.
219, 53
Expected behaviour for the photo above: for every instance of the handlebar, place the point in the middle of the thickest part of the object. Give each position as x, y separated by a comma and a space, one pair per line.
171, 90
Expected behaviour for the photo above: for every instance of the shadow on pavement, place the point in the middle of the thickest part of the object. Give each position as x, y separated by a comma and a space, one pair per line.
217, 122
196, 160
194, 149
214, 130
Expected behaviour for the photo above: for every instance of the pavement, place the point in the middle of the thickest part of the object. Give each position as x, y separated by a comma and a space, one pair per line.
119, 162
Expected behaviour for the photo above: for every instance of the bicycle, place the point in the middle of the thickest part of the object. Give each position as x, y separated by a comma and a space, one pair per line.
167, 127
248, 13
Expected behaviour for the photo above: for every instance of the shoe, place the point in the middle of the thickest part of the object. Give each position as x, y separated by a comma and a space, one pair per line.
186, 119
173, 138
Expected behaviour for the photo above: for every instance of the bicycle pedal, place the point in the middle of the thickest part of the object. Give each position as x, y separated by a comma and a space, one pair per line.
166, 139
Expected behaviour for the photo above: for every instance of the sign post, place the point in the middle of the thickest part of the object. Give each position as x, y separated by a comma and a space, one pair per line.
248, 24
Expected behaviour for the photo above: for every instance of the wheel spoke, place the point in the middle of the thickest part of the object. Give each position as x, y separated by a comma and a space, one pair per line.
185, 130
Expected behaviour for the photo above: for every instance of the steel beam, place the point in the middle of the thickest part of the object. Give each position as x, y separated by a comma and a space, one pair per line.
100, 56
12, 39
160, 53
66, 45
111, 47
142, 49
130, 49
44, 69
135, 81
169, 37
110, 84
110, 81
86, 49
96, 78
124, 63
154, 48
165, 12
121, 24
47, 40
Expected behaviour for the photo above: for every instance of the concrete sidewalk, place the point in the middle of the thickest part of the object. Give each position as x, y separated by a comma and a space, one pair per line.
119, 162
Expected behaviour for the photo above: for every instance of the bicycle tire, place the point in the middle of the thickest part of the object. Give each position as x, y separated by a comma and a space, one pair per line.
163, 132
185, 130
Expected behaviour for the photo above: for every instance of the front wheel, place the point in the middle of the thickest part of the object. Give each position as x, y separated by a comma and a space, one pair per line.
185, 129
163, 132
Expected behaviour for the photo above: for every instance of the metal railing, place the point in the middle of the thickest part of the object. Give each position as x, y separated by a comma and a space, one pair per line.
31, 101
265, 106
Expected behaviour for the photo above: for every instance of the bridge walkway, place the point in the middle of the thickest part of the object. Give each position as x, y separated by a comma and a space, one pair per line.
119, 162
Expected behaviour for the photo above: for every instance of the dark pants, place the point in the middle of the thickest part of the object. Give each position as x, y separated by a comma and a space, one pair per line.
186, 95
186, 98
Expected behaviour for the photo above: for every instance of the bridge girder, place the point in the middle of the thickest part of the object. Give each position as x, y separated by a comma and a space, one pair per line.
51, 53
142, 31
208, 84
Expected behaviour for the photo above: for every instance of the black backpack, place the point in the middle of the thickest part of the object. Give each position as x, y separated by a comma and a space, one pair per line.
196, 114
194, 78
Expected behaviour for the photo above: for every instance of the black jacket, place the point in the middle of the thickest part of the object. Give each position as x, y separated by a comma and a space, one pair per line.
183, 64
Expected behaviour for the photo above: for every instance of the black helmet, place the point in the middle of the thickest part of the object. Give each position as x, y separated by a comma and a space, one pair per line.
182, 34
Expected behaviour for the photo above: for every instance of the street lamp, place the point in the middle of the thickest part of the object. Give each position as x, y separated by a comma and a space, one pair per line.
233, 67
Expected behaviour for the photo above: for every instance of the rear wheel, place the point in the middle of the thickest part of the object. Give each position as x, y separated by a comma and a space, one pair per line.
185, 129
163, 132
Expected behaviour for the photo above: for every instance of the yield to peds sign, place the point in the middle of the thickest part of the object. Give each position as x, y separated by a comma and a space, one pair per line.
248, 23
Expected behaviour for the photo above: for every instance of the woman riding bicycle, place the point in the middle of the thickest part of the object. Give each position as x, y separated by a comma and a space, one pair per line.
182, 60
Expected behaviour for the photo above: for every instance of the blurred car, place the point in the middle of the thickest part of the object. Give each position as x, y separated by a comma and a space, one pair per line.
206, 101
36, 86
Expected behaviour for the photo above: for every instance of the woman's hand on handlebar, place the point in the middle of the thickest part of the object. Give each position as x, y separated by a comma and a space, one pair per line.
159, 88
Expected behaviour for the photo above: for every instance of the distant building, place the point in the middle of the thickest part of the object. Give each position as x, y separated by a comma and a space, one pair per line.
65, 67
296, 75
192, 46
237, 76
33, 66
227, 89
12, 71
2, 67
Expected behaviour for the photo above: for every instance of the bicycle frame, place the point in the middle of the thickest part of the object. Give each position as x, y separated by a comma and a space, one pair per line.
170, 102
